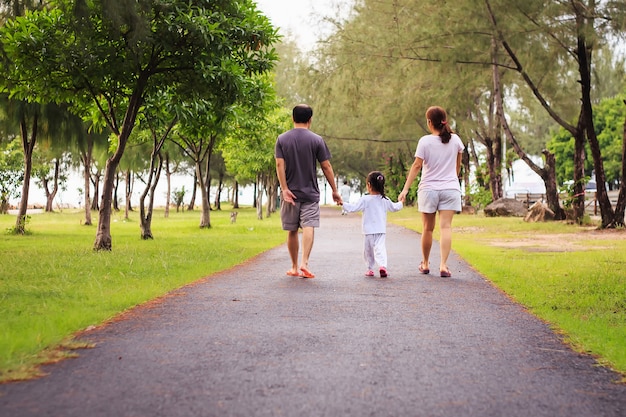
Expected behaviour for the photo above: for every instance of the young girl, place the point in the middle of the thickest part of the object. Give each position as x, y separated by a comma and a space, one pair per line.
374, 207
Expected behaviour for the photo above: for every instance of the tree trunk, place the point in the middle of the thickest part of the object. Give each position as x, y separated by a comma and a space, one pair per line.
129, 181
95, 180
259, 197
480, 178
28, 147
168, 177
50, 195
218, 192
495, 169
87, 156
192, 200
466, 176
207, 179
491, 166
103, 235
116, 186
621, 199
583, 52
151, 184
236, 195
205, 218
552, 192
255, 193
272, 187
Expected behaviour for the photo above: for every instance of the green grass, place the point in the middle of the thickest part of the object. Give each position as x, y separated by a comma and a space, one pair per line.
53, 284
573, 278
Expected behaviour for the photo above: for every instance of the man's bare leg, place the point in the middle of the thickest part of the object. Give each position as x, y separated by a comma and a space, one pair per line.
308, 236
293, 246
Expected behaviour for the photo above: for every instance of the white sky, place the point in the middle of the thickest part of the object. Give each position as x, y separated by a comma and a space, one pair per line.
303, 19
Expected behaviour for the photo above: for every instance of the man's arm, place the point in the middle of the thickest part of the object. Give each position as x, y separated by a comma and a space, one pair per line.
288, 196
327, 168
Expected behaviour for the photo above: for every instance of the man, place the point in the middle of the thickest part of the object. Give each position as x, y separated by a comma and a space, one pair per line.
297, 153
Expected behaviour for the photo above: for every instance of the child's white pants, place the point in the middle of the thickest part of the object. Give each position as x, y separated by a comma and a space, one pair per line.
375, 251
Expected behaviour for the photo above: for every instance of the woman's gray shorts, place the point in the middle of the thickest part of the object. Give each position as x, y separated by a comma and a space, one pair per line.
299, 215
431, 201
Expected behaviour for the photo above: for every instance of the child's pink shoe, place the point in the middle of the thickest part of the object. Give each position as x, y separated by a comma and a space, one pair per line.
369, 273
383, 272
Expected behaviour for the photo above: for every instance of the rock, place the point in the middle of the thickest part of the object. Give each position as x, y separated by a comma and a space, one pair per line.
468, 210
539, 212
506, 207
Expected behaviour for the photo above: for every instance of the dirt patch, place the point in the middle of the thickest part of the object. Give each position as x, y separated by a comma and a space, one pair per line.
566, 242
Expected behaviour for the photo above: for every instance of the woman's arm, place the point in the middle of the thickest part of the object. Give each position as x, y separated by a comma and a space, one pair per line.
413, 172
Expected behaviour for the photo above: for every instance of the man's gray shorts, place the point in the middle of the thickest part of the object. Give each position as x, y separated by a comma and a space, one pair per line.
299, 215
431, 201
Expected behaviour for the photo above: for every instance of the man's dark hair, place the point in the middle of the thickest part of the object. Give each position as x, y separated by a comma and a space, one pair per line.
302, 113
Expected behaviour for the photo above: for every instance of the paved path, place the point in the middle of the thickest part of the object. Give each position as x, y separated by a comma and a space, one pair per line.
254, 342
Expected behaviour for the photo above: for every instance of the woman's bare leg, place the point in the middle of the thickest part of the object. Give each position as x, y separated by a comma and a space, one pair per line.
428, 223
445, 239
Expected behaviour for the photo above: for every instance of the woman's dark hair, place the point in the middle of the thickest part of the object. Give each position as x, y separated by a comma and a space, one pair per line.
439, 120
376, 179
302, 113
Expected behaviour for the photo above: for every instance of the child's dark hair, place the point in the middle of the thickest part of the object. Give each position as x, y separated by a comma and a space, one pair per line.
376, 180
439, 119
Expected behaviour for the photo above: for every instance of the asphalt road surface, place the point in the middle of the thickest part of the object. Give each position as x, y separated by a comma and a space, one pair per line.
252, 341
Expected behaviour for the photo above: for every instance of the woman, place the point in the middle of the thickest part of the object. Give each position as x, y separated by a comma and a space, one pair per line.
439, 154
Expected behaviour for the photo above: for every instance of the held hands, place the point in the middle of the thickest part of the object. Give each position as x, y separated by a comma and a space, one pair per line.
402, 196
337, 198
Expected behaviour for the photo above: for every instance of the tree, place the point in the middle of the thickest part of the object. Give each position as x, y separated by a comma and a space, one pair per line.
249, 149
11, 172
109, 54
609, 116
158, 120
201, 124
34, 120
575, 29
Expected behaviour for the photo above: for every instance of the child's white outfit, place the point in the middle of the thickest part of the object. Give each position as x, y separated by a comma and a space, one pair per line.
374, 208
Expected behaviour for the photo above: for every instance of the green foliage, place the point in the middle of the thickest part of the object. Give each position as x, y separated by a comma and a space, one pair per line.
560, 275
71, 287
609, 119
248, 148
11, 172
178, 197
481, 197
395, 170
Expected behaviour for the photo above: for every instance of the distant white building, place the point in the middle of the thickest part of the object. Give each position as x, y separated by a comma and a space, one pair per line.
524, 179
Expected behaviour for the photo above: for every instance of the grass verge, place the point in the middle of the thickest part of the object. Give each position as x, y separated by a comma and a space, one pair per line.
571, 277
52, 283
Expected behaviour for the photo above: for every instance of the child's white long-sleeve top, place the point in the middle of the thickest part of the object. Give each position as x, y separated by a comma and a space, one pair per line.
374, 208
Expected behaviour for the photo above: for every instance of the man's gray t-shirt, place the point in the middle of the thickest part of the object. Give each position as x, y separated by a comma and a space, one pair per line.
302, 149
